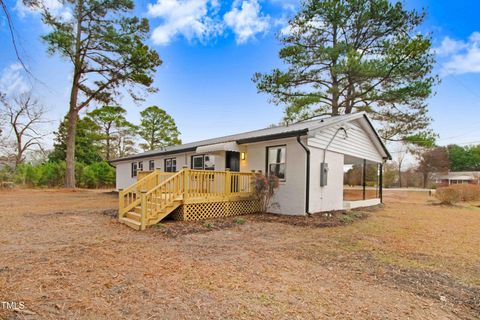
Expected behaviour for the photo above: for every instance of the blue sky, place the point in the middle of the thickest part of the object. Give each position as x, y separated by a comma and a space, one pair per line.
211, 49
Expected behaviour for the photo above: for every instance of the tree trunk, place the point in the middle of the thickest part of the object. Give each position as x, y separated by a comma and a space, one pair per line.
108, 149
73, 110
400, 174
70, 156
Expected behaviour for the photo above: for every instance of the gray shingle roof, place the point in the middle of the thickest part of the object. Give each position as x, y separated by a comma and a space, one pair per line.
256, 135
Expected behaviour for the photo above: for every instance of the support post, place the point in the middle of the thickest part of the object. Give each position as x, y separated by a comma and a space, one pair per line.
186, 177
143, 204
228, 182
121, 202
364, 179
380, 183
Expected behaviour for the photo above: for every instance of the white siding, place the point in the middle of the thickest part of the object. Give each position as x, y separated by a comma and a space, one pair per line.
123, 169
358, 143
290, 198
124, 175
329, 197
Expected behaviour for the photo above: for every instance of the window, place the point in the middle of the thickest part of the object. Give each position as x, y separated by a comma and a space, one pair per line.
140, 166
203, 162
209, 162
151, 165
276, 161
171, 165
197, 162
134, 169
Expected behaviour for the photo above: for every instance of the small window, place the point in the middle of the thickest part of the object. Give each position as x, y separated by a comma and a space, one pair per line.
151, 165
209, 162
203, 162
140, 166
134, 169
276, 161
171, 165
197, 162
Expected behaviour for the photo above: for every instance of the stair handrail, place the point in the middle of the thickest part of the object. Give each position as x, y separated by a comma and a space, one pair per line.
147, 201
165, 181
135, 189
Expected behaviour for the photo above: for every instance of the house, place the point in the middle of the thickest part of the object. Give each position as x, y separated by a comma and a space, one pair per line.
459, 177
308, 157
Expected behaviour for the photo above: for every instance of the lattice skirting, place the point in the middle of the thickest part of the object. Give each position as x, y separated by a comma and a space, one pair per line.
209, 210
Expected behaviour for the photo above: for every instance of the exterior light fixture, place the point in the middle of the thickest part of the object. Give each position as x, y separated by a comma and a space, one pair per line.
242, 155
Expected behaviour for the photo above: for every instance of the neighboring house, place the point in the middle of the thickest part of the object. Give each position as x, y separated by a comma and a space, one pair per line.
297, 154
470, 177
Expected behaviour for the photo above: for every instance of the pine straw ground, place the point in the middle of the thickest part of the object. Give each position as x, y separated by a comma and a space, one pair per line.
65, 257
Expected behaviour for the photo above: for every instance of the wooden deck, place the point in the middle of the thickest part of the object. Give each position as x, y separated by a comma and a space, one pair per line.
186, 195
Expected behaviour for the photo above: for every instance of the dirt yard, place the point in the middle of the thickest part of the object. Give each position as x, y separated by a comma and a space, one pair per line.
64, 256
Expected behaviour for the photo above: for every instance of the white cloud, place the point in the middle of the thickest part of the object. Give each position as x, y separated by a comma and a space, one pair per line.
246, 20
461, 57
193, 19
450, 46
12, 80
55, 7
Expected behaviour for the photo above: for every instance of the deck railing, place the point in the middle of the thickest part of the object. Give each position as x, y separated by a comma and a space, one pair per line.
161, 189
130, 197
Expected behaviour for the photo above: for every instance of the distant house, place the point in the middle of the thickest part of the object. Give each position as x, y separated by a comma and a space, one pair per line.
459, 177
308, 158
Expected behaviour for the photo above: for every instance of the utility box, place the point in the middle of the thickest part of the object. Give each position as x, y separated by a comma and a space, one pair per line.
323, 174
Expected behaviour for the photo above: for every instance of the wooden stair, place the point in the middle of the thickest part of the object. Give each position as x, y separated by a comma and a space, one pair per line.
133, 219
141, 207
158, 194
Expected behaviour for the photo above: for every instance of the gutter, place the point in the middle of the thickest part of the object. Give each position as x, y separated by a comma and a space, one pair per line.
307, 178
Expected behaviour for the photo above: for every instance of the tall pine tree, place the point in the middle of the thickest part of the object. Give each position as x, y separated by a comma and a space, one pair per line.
105, 47
345, 56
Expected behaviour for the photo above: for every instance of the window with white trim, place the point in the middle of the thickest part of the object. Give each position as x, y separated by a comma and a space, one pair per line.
276, 161
170, 165
203, 162
140, 166
151, 165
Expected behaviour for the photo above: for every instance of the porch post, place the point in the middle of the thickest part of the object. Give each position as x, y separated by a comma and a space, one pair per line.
228, 182
380, 183
364, 178
143, 205
186, 181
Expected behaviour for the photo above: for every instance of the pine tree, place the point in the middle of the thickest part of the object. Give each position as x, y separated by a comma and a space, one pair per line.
105, 47
345, 56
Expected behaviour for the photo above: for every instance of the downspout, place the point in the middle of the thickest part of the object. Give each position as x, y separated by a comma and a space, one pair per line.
307, 178
331, 140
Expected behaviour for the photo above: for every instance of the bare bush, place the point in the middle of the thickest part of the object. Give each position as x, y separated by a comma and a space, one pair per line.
458, 193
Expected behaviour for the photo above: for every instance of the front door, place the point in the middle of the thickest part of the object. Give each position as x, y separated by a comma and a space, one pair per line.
232, 161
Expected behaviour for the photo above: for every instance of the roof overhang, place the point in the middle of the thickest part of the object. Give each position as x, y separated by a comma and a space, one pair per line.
219, 147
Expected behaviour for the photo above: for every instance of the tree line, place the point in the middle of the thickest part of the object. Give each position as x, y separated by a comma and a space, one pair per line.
101, 135
338, 57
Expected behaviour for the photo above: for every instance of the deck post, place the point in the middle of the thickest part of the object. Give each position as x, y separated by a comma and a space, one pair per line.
120, 203
143, 204
186, 177
228, 182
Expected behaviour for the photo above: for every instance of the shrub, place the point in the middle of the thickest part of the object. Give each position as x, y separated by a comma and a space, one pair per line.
468, 192
99, 174
265, 188
457, 193
52, 174
6, 174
